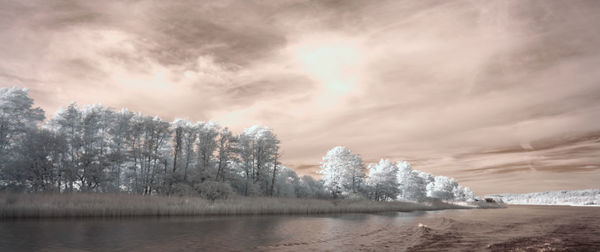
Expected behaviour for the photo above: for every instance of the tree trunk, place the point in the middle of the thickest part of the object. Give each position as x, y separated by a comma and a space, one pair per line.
274, 173
177, 147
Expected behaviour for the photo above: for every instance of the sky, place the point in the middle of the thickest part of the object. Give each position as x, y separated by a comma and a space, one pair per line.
502, 95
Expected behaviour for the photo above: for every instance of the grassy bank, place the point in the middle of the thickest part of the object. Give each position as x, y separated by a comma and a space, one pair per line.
125, 205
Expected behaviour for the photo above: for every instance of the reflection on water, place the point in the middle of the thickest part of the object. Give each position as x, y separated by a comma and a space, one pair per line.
190, 233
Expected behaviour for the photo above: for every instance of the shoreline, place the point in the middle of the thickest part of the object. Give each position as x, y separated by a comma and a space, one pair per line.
560, 205
91, 205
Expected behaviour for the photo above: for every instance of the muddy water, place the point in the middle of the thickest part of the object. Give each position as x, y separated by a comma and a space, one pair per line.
518, 228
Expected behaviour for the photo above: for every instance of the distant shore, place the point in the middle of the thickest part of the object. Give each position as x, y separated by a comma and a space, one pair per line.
16, 206
586, 197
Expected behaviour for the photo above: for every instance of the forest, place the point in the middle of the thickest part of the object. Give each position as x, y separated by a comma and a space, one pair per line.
97, 149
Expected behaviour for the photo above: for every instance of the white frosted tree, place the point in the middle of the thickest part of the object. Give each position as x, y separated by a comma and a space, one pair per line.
427, 178
18, 118
259, 150
94, 150
410, 184
382, 180
207, 144
17, 115
288, 183
94, 134
462, 193
310, 188
225, 148
184, 140
189, 137
119, 156
67, 122
343, 172
150, 152
442, 188
38, 161
97, 149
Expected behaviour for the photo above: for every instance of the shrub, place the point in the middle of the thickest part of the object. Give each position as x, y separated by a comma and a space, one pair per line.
183, 189
212, 190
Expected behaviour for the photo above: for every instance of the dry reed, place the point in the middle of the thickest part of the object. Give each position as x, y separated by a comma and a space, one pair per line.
127, 205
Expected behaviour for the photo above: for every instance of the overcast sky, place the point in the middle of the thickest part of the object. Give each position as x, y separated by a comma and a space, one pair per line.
502, 95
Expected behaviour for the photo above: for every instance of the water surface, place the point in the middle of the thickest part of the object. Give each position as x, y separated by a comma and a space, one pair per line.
517, 228
190, 233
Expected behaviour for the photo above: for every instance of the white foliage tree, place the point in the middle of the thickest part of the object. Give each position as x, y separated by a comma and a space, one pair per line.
259, 153
311, 188
287, 183
462, 193
442, 188
118, 157
186, 134
416, 185
207, 144
97, 149
411, 183
382, 180
18, 117
343, 172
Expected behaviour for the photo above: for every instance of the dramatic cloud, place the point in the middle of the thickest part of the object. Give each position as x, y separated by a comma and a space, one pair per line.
502, 95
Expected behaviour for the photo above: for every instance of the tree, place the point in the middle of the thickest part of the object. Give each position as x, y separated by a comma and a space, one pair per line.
442, 188
462, 193
119, 131
258, 151
343, 172
225, 147
207, 144
410, 183
94, 163
156, 134
67, 122
150, 150
382, 180
189, 137
18, 117
311, 188
178, 127
276, 163
38, 161
98, 149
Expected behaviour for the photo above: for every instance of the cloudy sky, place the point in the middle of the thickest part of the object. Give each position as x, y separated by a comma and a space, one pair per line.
502, 95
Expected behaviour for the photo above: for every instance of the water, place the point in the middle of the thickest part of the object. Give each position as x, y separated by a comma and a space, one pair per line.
524, 228
190, 233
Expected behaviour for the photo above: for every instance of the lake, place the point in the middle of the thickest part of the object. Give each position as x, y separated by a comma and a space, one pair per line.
527, 227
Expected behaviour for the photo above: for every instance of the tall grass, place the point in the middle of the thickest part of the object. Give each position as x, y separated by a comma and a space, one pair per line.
126, 205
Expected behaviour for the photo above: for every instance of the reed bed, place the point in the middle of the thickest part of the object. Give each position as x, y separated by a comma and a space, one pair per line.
127, 205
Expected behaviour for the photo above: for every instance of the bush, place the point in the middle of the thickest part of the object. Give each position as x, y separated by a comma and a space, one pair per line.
212, 190
354, 196
183, 189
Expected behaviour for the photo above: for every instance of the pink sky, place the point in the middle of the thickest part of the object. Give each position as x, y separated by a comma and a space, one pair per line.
502, 95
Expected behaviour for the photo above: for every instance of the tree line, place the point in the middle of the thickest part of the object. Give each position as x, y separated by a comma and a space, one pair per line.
345, 176
99, 149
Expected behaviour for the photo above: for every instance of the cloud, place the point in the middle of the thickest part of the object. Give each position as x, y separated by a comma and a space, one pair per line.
488, 92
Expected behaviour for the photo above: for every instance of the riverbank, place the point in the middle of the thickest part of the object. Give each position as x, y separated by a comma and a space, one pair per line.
126, 205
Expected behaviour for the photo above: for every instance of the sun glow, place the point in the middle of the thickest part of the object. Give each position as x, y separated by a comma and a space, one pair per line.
333, 61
